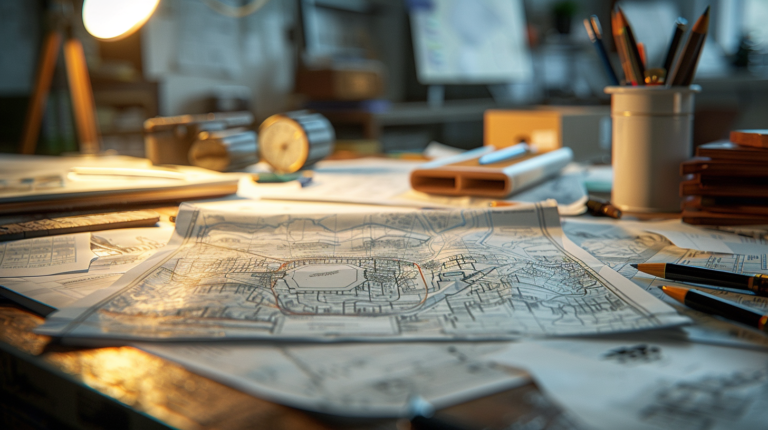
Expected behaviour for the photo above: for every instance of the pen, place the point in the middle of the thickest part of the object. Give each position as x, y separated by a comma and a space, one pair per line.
595, 35
603, 208
680, 25
685, 68
505, 154
676, 272
710, 304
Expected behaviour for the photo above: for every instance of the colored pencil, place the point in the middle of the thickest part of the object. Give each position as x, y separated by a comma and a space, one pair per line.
710, 304
758, 284
633, 53
615, 31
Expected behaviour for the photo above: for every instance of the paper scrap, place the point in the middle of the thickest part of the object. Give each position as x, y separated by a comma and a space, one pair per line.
45, 255
700, 239
117, 251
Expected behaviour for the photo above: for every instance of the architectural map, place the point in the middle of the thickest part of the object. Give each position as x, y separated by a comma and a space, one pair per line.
619, 246
465, 274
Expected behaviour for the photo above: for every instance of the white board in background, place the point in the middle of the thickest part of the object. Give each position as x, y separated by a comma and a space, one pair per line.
208, 42
470, 41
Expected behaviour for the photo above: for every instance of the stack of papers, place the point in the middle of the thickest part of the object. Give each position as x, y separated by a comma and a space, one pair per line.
34, 183
381, 181
338, 307
95, 261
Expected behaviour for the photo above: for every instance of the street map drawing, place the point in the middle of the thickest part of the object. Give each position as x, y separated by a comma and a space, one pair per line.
618, 246
464, 274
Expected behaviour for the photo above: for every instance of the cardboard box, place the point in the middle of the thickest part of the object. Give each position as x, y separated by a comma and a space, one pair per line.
584, 129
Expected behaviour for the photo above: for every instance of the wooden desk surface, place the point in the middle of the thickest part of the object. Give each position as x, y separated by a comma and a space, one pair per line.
45, 385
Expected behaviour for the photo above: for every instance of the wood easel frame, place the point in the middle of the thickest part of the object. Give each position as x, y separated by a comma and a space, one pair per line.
80, 92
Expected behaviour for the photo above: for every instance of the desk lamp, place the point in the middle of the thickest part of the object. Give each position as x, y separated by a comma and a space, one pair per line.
107, 20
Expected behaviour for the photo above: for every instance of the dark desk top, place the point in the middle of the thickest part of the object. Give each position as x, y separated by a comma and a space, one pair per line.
45, 385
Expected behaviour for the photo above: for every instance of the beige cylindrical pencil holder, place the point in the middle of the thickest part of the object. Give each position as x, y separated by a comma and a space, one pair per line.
652, 135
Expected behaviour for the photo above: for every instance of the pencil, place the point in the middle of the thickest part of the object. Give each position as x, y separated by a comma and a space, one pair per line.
677, 272
615, 31
685, 68
710, 304
634, 53
595, 35
680, 25
632, 61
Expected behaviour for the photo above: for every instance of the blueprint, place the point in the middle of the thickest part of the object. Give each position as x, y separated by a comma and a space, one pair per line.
45, 255
351, 379
116, 251
648, 381
618, 246
466, 274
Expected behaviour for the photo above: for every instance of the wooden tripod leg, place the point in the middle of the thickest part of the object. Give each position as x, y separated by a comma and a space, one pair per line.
82, 97
39, 99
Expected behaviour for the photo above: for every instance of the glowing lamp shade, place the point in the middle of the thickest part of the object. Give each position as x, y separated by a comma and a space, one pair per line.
116, 19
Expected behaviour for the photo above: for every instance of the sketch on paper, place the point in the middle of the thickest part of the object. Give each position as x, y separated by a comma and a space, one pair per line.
467, 274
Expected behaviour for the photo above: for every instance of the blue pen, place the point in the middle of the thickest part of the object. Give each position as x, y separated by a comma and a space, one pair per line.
505, 154
594, 33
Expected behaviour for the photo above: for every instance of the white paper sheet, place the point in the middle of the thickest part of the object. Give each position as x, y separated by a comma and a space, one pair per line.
45, 255
351, 379
701, 239
647, 381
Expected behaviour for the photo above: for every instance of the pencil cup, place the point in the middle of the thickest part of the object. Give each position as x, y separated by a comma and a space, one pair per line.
652, 135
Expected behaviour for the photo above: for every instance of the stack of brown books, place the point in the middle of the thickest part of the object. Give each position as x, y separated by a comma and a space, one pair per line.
727, 182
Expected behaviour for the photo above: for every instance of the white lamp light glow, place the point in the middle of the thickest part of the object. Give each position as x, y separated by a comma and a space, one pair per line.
116, 19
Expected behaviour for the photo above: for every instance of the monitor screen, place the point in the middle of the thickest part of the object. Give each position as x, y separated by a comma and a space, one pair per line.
470, 41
